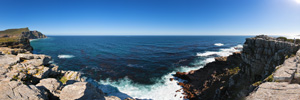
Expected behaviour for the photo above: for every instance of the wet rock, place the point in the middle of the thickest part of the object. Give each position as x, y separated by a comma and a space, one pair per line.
81, 91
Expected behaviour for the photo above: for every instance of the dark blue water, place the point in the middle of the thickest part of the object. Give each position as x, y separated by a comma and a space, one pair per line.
142, 59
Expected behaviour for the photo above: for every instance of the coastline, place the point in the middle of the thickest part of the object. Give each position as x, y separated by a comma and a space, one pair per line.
44, 79
237, 75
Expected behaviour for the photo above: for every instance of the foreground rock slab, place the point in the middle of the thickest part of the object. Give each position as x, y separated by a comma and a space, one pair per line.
13, 90
81, 91
276, 91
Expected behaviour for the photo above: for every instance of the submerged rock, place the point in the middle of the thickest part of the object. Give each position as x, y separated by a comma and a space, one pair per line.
81, 91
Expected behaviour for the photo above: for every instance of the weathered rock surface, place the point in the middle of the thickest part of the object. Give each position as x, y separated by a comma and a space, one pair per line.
8, 60
111, 98
81, 91
276, 91
286, 71
50, 84
34, 35
13, 90
18, 65
258, 60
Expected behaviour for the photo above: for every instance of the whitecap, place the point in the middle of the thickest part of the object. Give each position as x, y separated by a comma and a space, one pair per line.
65, 56
164, 89
222, 52
219, 44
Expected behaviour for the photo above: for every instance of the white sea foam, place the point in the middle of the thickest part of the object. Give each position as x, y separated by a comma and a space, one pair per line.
222, 52
219, 44
163, 90
65, 56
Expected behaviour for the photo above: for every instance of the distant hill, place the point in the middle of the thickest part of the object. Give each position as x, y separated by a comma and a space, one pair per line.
19, 38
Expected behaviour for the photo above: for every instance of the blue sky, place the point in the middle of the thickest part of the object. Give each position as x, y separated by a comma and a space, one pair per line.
153, 17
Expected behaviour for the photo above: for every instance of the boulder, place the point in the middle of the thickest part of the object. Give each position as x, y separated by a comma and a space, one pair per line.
35, 59
81, 91
111, 98
50, 84
73, 75
13, 90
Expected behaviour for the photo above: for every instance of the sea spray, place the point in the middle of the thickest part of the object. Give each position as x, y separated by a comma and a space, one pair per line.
164, 89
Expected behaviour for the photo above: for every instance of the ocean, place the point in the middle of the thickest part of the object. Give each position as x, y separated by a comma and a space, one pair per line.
136, 66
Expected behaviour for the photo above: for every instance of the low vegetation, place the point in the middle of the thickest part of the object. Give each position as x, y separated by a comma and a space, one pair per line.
269, 78
14, 31
257, 83
63, 80
234, 70
289, 40
10, 39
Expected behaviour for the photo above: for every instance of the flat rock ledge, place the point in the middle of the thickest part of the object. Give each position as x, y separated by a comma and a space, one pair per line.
285, 85
26, 76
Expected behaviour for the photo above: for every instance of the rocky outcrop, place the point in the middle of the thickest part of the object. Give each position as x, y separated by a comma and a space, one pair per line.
258, 60
284, 82
19, 38
42, 79
51, 85
13, 90
81, 91
34, 35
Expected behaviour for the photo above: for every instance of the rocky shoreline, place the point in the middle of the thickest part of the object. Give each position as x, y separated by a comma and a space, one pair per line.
27, 76
266, 68
236, 76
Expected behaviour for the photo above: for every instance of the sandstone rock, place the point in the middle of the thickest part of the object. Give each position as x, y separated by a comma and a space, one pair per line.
73, 75
286, 71
9, 60
111, 98
81, 91
13, 90
276, 91
50, 84
6, 50
220, 58
34, 59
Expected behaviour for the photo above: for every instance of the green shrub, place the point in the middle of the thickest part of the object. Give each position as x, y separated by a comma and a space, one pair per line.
282, 38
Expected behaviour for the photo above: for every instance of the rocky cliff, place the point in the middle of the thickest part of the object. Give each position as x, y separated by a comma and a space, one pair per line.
235, 76
27, 76
19, 38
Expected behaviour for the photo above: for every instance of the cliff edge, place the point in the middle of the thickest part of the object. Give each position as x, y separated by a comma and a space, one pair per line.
27, 76
19, 38
237, 75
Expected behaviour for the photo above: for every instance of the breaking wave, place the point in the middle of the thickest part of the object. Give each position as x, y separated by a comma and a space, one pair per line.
65, 56
219, 44
164, 89
221, 52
